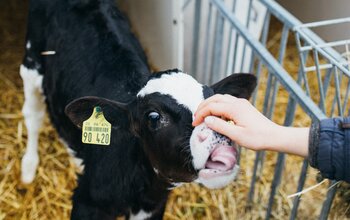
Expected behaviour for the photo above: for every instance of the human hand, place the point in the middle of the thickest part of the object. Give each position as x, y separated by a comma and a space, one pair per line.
250, 128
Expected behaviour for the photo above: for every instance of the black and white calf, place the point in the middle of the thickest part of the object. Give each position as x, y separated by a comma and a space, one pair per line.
81, 54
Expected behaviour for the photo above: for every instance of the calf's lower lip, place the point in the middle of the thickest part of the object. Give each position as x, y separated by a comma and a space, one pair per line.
221, 162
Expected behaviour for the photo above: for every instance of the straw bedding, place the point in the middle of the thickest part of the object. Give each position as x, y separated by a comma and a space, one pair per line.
48, 197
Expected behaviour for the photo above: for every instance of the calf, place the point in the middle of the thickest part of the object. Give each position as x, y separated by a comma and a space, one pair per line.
80, 54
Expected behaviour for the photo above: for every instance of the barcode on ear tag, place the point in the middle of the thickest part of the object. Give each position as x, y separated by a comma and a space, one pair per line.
96, 129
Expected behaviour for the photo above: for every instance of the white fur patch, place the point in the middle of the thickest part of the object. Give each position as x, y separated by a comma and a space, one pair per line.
156, 170
141, 215
200, 151
33, 112
77, 161
180, 86
219, 182
174, 185
28, 45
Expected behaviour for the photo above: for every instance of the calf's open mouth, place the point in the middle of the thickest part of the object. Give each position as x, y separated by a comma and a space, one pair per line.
221, 162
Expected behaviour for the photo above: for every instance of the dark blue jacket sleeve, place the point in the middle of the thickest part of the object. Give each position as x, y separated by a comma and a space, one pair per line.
329, 148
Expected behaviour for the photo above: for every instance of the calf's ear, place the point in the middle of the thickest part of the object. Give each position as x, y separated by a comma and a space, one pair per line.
240, 85
81, 109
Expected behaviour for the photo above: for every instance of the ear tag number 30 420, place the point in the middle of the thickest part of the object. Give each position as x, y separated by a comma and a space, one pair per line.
96, 129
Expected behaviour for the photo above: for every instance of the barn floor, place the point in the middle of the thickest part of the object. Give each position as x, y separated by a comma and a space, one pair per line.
48, 197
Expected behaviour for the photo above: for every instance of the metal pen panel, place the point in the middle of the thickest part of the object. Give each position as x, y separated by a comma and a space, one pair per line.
215, 74
195, 41
221, 55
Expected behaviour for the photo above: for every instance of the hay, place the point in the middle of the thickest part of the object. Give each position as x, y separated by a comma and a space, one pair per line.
48, 197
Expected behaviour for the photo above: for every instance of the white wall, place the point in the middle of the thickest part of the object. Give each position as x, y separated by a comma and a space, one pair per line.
159, 26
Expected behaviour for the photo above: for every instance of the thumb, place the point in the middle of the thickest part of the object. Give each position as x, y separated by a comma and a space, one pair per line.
222, 127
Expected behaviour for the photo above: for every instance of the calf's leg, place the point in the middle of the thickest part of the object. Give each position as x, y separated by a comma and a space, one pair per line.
33, 111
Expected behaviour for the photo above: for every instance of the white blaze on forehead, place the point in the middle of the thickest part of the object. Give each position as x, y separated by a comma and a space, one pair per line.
180, 86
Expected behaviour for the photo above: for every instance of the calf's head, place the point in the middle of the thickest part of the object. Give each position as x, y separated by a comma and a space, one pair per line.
161, 116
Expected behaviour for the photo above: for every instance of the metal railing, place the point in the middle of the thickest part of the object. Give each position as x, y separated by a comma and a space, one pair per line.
318, 60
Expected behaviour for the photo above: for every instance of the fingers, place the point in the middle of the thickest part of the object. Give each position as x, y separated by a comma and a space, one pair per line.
217, 98
221, 126
212, 103
220, 109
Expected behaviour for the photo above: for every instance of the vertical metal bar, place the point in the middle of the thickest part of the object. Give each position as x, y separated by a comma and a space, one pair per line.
346, 98
283, 45
267, 94
258, 73
247, 25
260, 154
328, 202
292, 103
302, 177
301, 183
276, 181
264, 35
327, 80
253, 181
281, 156
302, 62
216, 58
270, 104
337, 98
230, 41
279, 168
337, 90
251, 66
195, 40
319, 79
235, 52
206, 44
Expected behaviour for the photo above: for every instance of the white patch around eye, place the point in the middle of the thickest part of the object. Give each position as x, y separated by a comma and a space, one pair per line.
180, 86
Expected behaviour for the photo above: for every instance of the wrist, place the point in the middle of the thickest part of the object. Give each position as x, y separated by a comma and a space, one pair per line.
290, 140
275, 138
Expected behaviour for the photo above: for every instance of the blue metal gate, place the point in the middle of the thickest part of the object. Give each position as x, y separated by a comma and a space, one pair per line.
214, 51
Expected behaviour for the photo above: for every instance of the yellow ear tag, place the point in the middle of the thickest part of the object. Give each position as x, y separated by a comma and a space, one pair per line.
96, 129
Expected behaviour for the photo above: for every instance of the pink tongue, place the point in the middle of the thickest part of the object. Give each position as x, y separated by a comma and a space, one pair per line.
223, 158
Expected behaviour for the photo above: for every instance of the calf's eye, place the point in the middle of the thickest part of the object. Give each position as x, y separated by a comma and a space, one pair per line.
153, 116
153, 120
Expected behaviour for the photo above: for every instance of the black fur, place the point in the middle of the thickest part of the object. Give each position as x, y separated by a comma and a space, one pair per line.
159, 74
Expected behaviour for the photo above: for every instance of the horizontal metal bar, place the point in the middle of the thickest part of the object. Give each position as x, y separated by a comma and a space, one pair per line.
330, 44
324, 23
282, 75
324, 53
321, 67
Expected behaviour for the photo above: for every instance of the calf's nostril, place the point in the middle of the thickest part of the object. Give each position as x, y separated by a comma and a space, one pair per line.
202, 136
